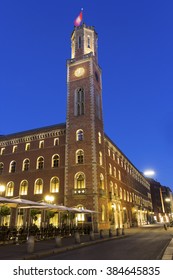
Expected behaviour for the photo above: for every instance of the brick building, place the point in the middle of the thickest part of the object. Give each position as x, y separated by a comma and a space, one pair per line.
76, 162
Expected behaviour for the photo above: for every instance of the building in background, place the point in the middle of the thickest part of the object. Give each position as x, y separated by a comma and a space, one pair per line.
162, 200
76, 163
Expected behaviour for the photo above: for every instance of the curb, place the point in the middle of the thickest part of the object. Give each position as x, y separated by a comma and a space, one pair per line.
36, 256
168, 253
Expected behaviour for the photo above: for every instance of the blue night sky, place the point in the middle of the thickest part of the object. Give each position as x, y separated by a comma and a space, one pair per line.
136, 57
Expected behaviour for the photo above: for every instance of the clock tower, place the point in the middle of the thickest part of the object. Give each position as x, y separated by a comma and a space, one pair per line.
85, 170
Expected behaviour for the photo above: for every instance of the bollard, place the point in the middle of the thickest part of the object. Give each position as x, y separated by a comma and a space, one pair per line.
101, 234
77, 237
58, 241
123, 231
117, 231
110, 232
30, 244
91, 235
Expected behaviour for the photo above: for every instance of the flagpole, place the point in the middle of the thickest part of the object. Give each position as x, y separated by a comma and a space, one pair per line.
82, 15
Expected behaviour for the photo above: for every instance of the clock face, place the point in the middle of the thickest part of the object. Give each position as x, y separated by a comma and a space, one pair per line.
79, 72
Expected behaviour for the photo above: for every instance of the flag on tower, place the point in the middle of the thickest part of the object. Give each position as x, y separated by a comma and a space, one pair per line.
78, 20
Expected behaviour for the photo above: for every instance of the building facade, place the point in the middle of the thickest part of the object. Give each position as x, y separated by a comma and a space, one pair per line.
76, 162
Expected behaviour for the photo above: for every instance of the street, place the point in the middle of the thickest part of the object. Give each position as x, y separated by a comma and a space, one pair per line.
147, 243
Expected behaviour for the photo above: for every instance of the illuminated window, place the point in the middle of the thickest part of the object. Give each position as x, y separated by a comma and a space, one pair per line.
2, 151
110, 169
115, 172
80, 217
121, 193
80, 156
23, 187
15, 149
55, 161
79, 100
40, 163
128, 197
101, 181
100, 158
54, 185
56, 141
26, 164
116, 190
27, 147
1, 167
38, 186
113, 156
79, 135
99, 138
41, 144
119, 175
79, 181
12, 167
124, 194
10, 189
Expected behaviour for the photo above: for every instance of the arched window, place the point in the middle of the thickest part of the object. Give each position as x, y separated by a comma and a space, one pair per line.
116, 189
110, 169
124, 194
55, 161
79, 102
121, 193
79, 135
23, 187
12, 167
10, 189
99, 138
38, 186
111, 188
40, 163
26, 163
80, 156
79, 181
100, 158
102, 181
1, 167
54, 185
115, 172
56, 141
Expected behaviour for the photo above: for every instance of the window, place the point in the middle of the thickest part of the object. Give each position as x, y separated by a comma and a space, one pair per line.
54, 185
80, 217
128, 197
12, 167
88, 42
109, 152
99, 138
40, 163
56, 141
121, 193
2, 151
79, 100
100, 158
80, 156
119, 175
1, 167
110, 169
101, 181
10, 189
124, 194
111, 188
115, 172
41, 144
55, 161
23, 187
79, 42
79, 181
79, 135
116, 190
15, 149
38, 187
27, 147
26, 164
